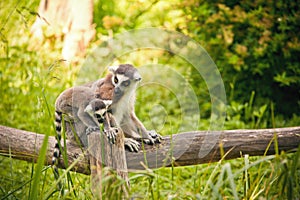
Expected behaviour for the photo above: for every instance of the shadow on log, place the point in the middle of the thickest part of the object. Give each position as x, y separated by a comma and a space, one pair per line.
184, 148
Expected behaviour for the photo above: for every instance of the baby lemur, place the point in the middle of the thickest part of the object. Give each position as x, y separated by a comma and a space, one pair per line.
79, 104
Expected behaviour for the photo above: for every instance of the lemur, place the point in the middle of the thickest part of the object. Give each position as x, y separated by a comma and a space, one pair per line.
79, 103
125, 79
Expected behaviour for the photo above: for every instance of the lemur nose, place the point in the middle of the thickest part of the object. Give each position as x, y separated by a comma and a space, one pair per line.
117, 90
138, 78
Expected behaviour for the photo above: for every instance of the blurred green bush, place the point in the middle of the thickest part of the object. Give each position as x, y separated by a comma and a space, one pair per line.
256, 46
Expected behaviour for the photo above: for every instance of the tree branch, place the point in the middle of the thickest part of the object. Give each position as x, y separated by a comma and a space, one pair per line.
183, 149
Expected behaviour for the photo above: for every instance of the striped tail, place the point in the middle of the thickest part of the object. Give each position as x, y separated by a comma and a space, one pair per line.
57, 153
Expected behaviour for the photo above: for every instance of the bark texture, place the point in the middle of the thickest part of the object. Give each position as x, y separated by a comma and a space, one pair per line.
112, 156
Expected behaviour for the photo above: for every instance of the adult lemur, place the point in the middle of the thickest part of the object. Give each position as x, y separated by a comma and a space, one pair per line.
119, 86
125, 79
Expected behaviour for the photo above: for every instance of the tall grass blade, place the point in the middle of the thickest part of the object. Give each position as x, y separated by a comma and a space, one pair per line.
38, 169
255, 195
246, 158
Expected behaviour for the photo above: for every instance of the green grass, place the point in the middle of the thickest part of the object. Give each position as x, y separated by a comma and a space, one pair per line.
32, 79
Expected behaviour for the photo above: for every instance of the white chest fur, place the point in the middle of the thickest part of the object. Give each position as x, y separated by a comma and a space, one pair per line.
123, 107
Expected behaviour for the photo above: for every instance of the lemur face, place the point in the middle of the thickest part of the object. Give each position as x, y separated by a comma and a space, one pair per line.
125, 79
97, 107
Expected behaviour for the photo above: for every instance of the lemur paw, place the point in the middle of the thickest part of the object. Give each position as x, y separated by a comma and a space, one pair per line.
111, 134
149, 141
132, 145
91, 129
154, 137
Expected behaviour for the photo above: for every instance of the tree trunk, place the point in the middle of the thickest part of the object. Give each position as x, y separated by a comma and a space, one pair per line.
182, 149
69, 19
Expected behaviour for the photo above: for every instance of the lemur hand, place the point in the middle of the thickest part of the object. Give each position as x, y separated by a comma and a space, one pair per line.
111, 134
154, 138
132, 145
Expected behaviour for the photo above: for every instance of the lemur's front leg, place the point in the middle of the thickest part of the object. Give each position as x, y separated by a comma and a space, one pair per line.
148, 137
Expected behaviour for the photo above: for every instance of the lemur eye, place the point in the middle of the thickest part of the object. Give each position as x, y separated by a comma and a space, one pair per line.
126, 83
116, 80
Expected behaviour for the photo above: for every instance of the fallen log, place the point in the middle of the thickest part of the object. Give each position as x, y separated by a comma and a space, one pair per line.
181, 149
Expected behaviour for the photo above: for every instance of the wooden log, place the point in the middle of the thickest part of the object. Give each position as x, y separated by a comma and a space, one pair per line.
183, 147
25, 145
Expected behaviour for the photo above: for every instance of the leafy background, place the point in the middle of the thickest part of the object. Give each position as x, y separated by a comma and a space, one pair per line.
255, 45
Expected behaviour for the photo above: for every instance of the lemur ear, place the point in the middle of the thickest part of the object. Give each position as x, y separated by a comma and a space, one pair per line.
88, 109
112, 68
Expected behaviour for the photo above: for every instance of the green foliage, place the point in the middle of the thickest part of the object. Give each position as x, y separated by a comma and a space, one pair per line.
255, 45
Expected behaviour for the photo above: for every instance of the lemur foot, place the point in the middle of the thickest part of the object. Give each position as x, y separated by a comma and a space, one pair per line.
132, 145
111, 134
91, 129
154, 138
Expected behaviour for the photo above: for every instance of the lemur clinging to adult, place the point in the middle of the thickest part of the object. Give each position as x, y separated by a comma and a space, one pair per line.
79, 103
